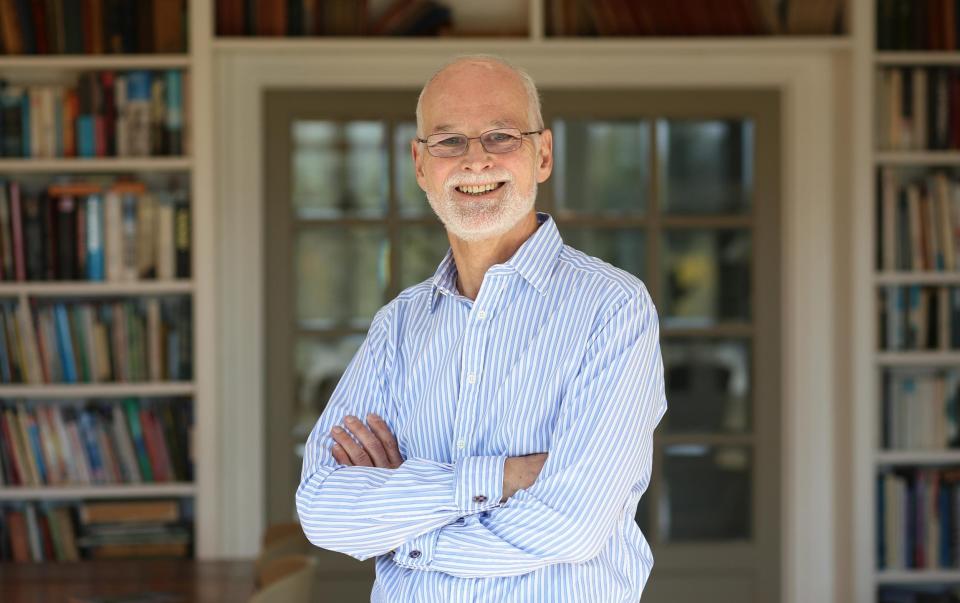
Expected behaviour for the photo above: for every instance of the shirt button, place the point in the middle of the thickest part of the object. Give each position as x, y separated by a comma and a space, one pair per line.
480, 499
472, 378
481, 314
461, 444
414, 554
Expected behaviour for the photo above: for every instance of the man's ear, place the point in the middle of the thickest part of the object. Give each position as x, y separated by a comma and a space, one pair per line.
417, 152
545, 156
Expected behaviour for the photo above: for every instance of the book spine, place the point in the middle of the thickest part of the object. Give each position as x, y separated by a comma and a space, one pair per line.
94, 238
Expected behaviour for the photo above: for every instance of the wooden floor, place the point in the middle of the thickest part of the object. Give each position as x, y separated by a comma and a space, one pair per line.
190, 581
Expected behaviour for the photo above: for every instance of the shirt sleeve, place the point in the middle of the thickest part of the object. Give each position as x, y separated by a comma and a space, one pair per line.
598, 464
369, 511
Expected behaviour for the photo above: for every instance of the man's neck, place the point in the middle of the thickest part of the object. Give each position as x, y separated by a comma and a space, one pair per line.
474, 258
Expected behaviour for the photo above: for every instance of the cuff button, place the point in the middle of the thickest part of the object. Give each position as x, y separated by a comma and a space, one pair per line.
480, 499
414, 554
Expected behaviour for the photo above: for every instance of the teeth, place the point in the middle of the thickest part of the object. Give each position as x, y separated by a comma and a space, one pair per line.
478, 189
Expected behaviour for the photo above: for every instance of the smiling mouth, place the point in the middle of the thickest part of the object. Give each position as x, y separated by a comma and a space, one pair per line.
479, 190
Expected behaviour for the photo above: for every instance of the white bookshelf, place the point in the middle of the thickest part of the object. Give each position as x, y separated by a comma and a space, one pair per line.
104, 491
870, 459
96, 164
195, 168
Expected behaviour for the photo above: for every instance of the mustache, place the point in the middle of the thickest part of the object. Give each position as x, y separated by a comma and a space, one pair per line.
467, 179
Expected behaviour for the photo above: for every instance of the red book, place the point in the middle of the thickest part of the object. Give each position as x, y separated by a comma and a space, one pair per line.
160, 474
109, 116
17, 525
38, 13
16, 220
46, 538
271, 18
163, 450
8, 450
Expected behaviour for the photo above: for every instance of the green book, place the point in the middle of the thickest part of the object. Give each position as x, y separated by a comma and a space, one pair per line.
132, 407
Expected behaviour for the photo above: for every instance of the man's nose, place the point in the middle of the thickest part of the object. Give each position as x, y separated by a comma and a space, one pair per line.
476, 157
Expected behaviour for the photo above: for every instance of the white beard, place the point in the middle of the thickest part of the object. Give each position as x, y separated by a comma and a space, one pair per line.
471, 220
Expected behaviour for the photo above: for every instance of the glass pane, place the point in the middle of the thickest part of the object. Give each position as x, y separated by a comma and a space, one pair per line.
422, 250
708, 386
707, 493
707, 165
320, 363
624, 248
338, 169
342, 275
410, 197
706, 277
601, 166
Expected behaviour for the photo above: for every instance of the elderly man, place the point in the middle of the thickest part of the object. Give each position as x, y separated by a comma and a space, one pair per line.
493, 435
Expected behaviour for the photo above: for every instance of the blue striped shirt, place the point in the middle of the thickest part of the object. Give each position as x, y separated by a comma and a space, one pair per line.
559, 353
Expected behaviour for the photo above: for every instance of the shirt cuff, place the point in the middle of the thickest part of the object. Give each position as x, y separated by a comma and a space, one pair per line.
478, 483
417, 553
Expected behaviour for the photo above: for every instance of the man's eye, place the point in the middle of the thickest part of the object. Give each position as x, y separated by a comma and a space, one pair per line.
500, 137
452, 141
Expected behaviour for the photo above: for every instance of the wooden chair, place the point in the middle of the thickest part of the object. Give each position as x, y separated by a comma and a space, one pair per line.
340, 577
291, 579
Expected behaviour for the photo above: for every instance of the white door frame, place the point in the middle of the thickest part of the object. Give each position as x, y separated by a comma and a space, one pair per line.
805, 79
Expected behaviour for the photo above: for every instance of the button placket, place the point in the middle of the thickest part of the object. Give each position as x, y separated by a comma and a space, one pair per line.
471, 358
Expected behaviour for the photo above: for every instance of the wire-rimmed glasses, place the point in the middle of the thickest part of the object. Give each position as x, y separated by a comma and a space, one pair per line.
453, 144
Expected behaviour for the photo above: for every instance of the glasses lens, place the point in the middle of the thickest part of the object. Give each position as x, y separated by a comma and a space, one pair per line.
446, 145
501, 141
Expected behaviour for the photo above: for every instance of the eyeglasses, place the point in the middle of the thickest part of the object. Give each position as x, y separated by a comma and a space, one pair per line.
451, 144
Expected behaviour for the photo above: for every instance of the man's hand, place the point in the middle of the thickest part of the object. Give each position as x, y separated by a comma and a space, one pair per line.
377, 446
519, 472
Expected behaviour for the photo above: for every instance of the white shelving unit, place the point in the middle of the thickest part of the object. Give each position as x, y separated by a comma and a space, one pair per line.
871, 361
197, 168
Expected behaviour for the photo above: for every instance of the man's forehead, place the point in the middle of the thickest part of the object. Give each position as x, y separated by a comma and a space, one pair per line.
459, 126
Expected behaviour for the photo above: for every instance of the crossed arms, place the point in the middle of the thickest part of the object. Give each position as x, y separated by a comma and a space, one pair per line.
488, 516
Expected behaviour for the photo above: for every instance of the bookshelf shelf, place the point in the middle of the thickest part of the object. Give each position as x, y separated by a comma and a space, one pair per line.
98, 390
931, 158
944, 358
917, 58
918, 457
180, 489
813, 44
917, 577
918, 278
92, 289
111, 164
101, 61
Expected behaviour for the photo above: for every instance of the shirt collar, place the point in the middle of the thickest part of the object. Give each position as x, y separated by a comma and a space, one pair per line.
533, 260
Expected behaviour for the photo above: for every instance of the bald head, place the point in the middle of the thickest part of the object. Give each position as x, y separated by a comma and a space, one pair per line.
463, 77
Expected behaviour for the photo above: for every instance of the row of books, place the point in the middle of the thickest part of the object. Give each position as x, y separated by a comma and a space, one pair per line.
330, 18
918, 221
692, 17
918, 24
920, 593
918, 108
106, 114
918, 519
92, 26
125, 340
920, 410
88, 231
70, 531
919, 318
107, 442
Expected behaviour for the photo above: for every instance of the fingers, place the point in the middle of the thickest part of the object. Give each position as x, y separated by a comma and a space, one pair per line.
340, 455
383, 433
355, 453
371, 443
